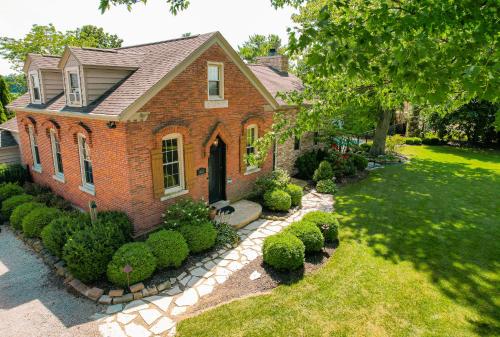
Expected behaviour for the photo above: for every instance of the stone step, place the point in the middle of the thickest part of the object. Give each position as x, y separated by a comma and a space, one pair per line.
245, 212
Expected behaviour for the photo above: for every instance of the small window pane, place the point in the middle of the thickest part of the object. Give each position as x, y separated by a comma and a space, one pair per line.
213, 88
213, 73
73, 81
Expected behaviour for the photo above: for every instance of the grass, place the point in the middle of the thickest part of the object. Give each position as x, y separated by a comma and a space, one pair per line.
419, 256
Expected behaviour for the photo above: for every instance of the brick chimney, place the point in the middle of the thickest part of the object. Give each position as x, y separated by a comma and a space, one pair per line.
274, 60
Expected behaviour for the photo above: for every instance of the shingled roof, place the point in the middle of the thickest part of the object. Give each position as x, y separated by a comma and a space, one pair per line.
10, 125
107, 57
42, 61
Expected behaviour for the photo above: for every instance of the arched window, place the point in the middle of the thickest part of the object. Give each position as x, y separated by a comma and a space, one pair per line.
85, 165
252, 134
56, 156
173, 163
37, 165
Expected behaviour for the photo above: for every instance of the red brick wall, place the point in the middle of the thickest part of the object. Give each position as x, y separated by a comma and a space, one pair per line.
180, 106
108, 154
121, 156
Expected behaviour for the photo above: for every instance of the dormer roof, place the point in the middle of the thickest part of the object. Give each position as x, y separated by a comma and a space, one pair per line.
97, 57
47, 62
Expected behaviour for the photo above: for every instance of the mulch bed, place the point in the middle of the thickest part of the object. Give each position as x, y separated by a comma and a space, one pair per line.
239, 284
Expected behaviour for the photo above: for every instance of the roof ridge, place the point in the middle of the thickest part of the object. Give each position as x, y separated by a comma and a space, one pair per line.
159, 42
45, 55
104, 50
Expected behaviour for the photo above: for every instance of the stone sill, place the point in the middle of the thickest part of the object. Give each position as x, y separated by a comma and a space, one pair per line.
174, 195
216, 104
59, 178
87, 189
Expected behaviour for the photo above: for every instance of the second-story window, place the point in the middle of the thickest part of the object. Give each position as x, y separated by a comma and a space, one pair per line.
56, 155
35, 88
215, 81
37, 165
73, 87
85, 165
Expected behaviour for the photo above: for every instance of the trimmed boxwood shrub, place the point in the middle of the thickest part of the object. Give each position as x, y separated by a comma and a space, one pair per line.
139, 257
88, 251
359, 161
9, 190
413, 141
308, 233
277, 200
13, 173
283, 251
120, 219
324, 171
326, 186
56, 233
169, 248
295, 192
10, 204
326, 222
431, 140
21, 211
278, 179
199, 237
184, 212
37, 219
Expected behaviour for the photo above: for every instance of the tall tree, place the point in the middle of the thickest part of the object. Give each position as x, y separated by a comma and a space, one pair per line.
16, 84
4, 100
259, 45
174, 5
48, 40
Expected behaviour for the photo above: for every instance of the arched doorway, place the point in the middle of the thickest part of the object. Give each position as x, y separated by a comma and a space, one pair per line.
217, 171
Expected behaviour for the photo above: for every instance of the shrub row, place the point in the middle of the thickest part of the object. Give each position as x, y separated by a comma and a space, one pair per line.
413, 141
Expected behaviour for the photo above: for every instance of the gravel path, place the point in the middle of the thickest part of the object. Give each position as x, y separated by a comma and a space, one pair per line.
33, 300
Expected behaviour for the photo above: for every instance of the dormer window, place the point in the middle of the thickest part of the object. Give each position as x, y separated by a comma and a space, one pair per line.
73, 87
35, 88
215, 81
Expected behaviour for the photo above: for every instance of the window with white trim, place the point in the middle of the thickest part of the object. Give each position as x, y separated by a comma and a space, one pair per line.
73, 87
37, 165
36, 95
215, 81
56, 155
85, 164
252, 133
173, 163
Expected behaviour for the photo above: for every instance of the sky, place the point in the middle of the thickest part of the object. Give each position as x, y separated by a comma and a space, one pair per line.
235, 19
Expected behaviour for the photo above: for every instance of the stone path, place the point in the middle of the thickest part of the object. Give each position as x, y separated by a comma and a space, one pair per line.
157, 315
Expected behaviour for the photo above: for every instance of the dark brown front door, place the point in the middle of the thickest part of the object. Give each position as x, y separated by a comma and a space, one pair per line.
217, 171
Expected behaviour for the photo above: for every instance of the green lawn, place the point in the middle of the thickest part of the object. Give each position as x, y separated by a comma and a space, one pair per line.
419, 256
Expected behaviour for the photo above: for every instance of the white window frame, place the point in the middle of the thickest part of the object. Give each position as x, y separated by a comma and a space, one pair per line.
58, 173
86, 186
35, 150
220, 67
34, 77
67, 78
247, 146
180, 160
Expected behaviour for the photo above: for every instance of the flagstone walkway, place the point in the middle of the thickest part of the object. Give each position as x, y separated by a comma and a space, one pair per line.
157, 315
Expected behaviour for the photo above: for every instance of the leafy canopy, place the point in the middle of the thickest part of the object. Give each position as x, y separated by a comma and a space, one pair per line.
260, 45
5, 98
175, 6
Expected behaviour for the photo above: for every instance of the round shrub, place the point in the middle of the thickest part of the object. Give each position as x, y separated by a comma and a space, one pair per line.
283, 251
186, 211
21, 211
169, 248
56, 233
37, 219
199, 237
326, 222
326, 186
88, 251
277, 200
324, 171
120, 219
10, 204
359, 161
308, 233
9, 190
139, 257
295, 192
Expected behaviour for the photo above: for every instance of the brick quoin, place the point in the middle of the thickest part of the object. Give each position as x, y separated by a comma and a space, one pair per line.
121, 156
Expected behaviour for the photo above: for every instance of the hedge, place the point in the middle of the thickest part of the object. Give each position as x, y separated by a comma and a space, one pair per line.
10, 204
199, 237
37, 219
308, 233
169, 247
21, 211
136, 255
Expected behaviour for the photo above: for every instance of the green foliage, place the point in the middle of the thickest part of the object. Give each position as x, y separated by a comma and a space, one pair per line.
226, 235
413, 141
392, 143
326, 186
136, 255
13, 173
16, 84
359, 161
37, 219
10, 204
326, 222
169, 248
48, 40
308, 162
21, 211
119, 219
324, 171
283, 251
175, 6
431, 140
57, 232
5, 98
199, 237
88, 251
365, 147
9, 190
278, 179
277, 200
308, 233
295, 192
186, 211
259, 45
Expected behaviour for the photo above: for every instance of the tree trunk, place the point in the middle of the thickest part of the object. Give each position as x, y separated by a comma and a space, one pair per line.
380, 135
413, 116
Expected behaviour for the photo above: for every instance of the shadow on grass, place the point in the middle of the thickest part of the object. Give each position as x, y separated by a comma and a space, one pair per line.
443, 217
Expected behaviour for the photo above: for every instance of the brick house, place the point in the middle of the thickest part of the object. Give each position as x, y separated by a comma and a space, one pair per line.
136, 128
